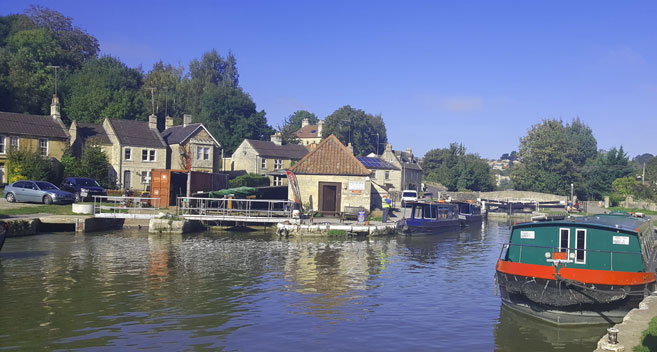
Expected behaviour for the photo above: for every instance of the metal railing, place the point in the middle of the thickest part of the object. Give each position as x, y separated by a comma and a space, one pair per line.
126, 207
568, 251
225, 207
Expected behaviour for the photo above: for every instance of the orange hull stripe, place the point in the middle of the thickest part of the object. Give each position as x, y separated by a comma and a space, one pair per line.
599, 277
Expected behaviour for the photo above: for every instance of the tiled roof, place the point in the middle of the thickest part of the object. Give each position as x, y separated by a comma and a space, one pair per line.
376, 163
330, 158
136, 134
92, 130
408, 159
273, 150
31, 125
308, 131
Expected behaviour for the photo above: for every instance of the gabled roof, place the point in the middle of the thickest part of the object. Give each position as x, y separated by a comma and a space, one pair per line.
180, 134
308, 131
92, 130
273, 150
408, 159
376, 163
330, 157
31, 125
136, 134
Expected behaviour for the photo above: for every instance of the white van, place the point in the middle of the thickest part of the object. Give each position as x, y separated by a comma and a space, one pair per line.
409, 195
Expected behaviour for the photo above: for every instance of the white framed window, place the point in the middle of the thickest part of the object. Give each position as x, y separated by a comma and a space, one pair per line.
202, 153
148, 155
278, 164
278, 181
127, 154
145, 177
206, 153
14, 142
43, 146
3, 150
263, 163
387, 175
199, 153
580, 244
564, 240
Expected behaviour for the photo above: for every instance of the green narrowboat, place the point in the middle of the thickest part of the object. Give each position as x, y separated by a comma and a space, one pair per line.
582, 270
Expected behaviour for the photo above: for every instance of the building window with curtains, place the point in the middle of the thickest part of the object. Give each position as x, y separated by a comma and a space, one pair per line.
2, 146
13, 143
278, 181
43, 147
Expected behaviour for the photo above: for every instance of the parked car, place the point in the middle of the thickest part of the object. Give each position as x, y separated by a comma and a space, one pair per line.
83, 188
409, 195
36, 191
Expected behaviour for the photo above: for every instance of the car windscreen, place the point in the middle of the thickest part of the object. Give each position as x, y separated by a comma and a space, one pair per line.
409, 194
87, 182
46, 186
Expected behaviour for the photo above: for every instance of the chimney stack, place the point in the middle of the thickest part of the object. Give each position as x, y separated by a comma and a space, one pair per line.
350, 147
305, 122
277, 138
409, 152
54, 108
320, 127
168, 122
152, 122
187, 119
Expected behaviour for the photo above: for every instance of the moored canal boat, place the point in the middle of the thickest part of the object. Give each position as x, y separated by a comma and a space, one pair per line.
427, 218
469, 213
584, 270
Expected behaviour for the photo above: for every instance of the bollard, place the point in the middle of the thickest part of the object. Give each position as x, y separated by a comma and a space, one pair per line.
612, 336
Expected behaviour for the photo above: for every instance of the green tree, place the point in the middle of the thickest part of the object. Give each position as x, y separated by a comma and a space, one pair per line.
94, 164
28, 164
167, 80
456, 170
231, 116
600, 172
70, 163
358, 127
249, 180
552, 156
104, 87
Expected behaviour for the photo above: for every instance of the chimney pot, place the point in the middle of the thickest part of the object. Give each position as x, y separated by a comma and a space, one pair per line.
54, 107
168, 122
277, 138
152, 122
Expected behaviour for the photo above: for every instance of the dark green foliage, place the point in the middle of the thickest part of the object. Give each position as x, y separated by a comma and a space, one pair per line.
292, 124
25, 164
104, 87
231, 116
249, 180
456, 170
601, 171
552, 156
648, 338
357, 126
70, 164
94, 164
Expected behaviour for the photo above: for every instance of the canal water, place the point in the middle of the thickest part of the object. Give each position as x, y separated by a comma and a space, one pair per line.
130, 290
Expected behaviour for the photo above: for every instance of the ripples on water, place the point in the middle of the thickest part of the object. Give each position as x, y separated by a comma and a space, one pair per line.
130, 290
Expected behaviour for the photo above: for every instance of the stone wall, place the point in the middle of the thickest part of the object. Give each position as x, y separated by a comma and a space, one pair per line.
309, 189
638, 204
502, 195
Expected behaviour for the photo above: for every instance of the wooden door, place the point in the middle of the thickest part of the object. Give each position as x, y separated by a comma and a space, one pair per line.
329, 198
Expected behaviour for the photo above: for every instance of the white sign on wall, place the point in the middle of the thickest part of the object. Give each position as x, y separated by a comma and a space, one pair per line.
529, 235
356, 185
621, 240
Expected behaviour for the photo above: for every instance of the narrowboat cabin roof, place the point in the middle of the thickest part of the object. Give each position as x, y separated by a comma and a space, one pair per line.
616, 221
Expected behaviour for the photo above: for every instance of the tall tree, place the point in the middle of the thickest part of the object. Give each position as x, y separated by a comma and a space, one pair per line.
552, 156
456, 170
363, 130
167, 82
600, 172
231, 116
105, 87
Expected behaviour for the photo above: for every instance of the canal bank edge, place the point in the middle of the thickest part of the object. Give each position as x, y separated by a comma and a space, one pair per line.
632, 327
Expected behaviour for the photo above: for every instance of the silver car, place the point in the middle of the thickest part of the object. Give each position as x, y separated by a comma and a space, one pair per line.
37, 192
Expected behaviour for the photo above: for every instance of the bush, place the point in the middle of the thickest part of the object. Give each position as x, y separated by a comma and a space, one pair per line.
249, 180
25, 164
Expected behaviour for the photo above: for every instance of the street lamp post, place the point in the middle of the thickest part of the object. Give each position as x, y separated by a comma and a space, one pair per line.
377, 144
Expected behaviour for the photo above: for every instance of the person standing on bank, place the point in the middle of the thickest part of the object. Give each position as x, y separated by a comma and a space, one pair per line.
385, 204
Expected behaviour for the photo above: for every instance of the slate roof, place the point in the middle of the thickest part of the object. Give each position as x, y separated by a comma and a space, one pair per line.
31, 125
308, 131
136, 134
92, 130
376, 163
330, 157
407, 159
179, 134
273, 150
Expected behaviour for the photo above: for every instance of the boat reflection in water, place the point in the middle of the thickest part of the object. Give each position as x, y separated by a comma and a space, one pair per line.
519, 332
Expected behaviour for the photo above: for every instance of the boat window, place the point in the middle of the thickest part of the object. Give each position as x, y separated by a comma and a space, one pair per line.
427, 212
417, 212
581, 246
564, 239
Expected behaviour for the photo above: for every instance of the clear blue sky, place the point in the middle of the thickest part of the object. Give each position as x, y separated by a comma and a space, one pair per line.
476, 72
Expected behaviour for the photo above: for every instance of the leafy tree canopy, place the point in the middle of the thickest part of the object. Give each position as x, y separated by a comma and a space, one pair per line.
456, 170
293, 123
601, 171
552, 156
358, 127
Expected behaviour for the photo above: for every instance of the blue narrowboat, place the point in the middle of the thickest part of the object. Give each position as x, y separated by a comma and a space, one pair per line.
421, 218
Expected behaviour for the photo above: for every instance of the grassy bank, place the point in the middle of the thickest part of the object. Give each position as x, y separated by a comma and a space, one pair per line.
648, 338
634, 210
64, 209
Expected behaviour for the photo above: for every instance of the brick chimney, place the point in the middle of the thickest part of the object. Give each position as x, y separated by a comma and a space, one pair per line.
277, 139
305, 122
187, 119
54, 108
168, 122
152, 122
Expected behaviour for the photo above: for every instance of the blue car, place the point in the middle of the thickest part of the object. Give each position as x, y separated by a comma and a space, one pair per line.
37, 192
83, 188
